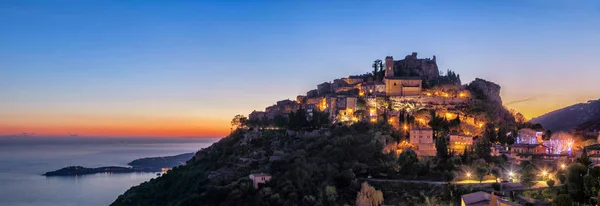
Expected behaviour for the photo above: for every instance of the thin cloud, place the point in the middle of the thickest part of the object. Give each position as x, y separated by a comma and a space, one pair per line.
521, 101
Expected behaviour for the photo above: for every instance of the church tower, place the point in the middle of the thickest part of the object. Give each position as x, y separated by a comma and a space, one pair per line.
389, 66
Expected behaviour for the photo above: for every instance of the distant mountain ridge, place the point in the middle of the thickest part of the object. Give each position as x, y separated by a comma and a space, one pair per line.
582, 116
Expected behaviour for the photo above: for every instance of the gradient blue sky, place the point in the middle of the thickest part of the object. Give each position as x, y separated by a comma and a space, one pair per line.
186, 67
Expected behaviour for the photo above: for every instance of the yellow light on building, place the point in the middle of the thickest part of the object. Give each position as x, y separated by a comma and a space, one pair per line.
372, 112
461, 94
373, 119
480, 125
405, 127
563, 166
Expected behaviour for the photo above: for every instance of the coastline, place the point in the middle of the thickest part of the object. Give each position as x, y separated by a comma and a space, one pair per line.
148, 164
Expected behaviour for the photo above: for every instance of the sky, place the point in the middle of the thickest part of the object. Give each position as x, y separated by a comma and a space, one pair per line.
185, 68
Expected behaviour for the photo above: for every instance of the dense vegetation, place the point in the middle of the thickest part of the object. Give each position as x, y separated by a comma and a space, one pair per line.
311, 170
323, 167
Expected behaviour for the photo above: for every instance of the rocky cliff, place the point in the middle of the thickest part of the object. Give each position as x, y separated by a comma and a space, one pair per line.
486, 89
487, 100
413, 66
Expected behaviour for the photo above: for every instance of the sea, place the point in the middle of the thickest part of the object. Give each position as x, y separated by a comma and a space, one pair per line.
23, 160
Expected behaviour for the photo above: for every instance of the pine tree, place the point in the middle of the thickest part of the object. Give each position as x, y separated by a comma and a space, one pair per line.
584, 159
441, 147
528, 176
483, 148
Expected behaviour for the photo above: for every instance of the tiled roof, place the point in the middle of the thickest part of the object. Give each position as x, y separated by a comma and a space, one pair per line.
475, 197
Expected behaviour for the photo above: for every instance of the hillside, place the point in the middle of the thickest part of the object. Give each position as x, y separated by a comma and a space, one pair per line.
319, 168
583, 116
162, 162
319, 148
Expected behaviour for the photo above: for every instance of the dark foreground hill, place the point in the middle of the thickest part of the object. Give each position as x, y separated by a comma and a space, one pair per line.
304, 167
318, 168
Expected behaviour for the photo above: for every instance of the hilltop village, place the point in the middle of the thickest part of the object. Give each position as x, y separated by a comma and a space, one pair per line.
406, 94
402, 134
430, 111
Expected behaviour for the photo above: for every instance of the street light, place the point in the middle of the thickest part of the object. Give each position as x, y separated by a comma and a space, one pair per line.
563, 166
511, 174
469, 174
544, 173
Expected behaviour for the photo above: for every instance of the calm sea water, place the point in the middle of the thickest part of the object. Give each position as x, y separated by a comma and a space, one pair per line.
23, 160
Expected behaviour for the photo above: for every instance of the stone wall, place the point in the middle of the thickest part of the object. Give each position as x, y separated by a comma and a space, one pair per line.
413, 66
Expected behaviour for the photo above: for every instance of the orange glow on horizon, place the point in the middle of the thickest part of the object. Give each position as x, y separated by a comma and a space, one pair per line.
150, 127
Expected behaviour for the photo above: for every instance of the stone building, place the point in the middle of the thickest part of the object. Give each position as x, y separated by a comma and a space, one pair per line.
422, 139
526, 152
312, 93
287, 106
529, 136
338, 83
413, 66
593, 152
324, 88
373, 88
300, 99
352, 80
314, 100
400, 86
344, 106
343, 89
259, 178
484, 199
257, 115
460, 142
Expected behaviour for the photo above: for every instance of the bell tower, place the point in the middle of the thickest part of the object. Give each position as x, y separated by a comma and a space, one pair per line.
389, 66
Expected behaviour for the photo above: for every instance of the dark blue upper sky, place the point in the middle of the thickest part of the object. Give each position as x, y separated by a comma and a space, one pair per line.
212, 59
